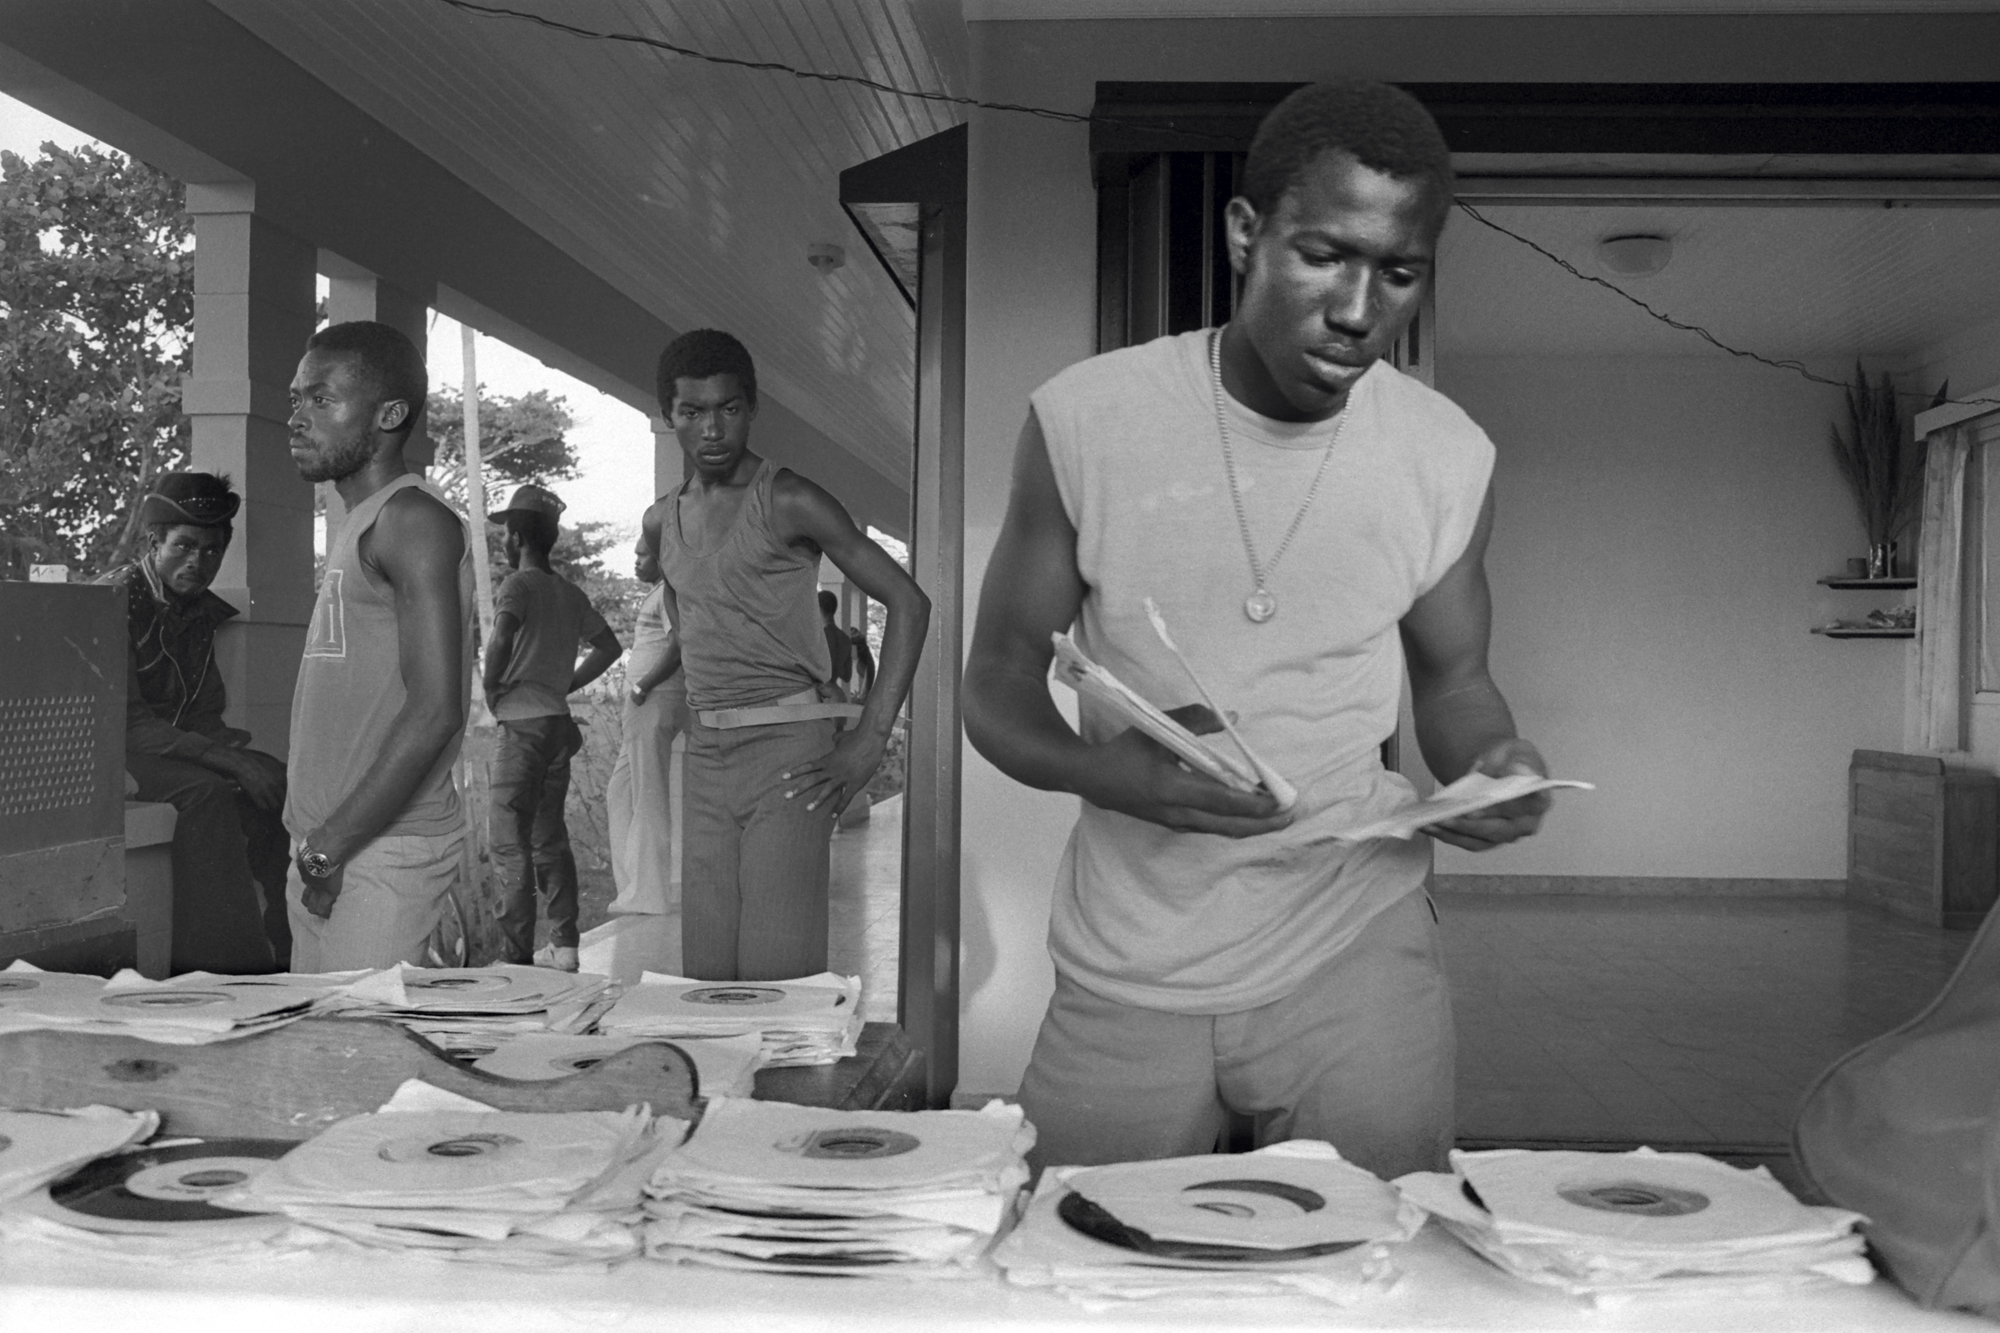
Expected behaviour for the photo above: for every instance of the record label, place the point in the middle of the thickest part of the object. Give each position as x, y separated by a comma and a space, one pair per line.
17, 983
162, 1187
853, 1144
423, 1146
1636, 1198
1259, 1202
166, 999
734, 995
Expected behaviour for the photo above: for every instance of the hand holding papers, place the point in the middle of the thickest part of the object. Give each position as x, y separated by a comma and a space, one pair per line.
1473, 792
1089, 679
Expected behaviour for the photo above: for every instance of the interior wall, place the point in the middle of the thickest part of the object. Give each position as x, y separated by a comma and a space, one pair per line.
1031, 311
1661, 527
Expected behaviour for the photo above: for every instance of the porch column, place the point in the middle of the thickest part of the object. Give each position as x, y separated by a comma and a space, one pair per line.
355, 293
667, 458
253, 311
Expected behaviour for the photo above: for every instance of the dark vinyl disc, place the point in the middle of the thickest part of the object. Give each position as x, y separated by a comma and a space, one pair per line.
1097, 1222
157, 1188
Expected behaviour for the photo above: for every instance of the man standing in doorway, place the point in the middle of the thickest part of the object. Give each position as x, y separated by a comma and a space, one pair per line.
539, 618
1307, 519
839, 648
739, 545
229, 845
380, 708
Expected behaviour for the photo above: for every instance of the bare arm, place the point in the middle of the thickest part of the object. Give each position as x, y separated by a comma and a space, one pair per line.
416, 546
1462, 721
1033, 590
804, 512
604, 650
499, 654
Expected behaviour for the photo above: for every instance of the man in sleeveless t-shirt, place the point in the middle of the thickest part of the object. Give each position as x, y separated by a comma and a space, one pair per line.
739, 545
1308, 521
531, 668
380, 707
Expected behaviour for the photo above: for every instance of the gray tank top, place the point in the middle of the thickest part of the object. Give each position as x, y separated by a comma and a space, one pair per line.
351, 686
749, 610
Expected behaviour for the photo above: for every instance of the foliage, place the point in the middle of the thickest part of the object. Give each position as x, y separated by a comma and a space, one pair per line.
520, 439
96, 319
1881, 461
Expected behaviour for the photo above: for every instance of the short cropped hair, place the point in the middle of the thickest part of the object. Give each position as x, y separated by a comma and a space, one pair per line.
389, 360
538, 532
1379, 126
700, 354
828, 603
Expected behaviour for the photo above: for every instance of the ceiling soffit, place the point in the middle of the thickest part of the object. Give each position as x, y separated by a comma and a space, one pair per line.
693, 187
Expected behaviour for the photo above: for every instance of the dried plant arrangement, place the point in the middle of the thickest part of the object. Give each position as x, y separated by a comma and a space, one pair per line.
1883, 466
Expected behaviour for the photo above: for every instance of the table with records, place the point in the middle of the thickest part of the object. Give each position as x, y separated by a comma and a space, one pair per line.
44, 1290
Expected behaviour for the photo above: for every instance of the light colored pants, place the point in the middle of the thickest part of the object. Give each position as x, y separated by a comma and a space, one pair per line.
754, 871
391, 894
1360, 1055
638, 803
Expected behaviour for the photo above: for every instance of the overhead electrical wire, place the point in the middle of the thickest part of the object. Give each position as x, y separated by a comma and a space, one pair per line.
1077, 118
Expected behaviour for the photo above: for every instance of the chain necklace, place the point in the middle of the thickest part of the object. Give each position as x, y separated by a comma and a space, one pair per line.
1260, 605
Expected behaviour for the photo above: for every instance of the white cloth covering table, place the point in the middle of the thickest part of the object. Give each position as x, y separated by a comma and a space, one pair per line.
1445, 1288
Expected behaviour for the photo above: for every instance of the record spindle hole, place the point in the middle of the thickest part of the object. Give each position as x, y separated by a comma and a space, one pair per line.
1636, 1198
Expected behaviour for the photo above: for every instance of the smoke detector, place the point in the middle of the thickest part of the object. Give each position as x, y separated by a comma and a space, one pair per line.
825, 257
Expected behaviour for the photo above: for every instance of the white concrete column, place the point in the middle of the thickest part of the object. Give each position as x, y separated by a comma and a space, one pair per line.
355, 293
667, 458
253, 311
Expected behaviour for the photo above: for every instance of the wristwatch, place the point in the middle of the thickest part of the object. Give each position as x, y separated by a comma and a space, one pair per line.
317, 864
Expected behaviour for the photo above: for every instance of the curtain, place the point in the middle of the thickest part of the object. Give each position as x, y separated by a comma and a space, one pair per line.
1936, 719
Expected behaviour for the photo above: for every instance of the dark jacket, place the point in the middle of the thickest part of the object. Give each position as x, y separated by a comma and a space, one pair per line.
174, 694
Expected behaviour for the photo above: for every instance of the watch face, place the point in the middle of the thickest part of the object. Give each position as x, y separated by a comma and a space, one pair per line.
316, 864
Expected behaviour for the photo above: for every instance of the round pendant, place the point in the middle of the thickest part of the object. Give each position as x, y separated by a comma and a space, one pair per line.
1260, 606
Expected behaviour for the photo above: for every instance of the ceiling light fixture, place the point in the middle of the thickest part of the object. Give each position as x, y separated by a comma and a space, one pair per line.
825, 257
1635, 256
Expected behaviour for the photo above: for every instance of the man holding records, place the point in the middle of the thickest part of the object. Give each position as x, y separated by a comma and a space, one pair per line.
1307, 521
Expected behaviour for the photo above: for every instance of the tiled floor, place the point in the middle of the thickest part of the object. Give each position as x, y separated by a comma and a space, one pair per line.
1684, 1021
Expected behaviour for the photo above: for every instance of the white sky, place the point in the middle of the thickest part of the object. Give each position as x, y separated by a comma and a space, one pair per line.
613, 442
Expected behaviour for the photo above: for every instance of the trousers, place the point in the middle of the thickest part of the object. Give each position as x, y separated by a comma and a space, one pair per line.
392, 892
1361, 1055
229, 862
529, 836
754, 871
638, 804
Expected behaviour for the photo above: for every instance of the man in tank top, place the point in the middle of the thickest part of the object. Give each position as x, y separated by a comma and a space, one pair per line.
1308, 521
739, 545
380, 707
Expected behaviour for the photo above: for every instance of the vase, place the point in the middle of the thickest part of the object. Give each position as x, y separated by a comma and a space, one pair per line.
1882, 560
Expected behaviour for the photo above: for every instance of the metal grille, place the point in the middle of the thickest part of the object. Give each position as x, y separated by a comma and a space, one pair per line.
46, 757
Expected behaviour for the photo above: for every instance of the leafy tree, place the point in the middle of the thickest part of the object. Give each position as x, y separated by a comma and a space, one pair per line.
96, 325
520, 439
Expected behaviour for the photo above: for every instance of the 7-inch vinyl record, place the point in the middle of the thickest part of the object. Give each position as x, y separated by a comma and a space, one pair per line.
163, 1190
1657, 1198
1237, 1205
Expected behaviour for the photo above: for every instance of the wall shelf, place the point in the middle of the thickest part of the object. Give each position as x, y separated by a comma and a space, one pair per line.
1843, 581
1844, 632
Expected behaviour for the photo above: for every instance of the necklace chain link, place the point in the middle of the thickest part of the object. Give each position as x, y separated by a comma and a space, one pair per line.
1261, 605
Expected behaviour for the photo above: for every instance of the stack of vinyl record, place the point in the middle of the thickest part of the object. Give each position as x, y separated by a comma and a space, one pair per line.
472, 1010
772, 1187
158, 1203
188, 1010
37, 1147
561, 1189
1612, 1226
807, 1021
725, 1066
1290, 1218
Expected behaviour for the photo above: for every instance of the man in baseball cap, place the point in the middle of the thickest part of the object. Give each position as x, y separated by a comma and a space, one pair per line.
228, 838
539, 618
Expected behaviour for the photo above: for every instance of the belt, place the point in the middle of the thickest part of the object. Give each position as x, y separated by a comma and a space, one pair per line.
805, 706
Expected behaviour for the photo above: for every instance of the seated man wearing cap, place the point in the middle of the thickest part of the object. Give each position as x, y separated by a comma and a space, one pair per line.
228, 839
531, 667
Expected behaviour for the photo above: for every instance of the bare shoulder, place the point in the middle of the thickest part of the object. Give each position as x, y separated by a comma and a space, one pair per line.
804, 508
415, 529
